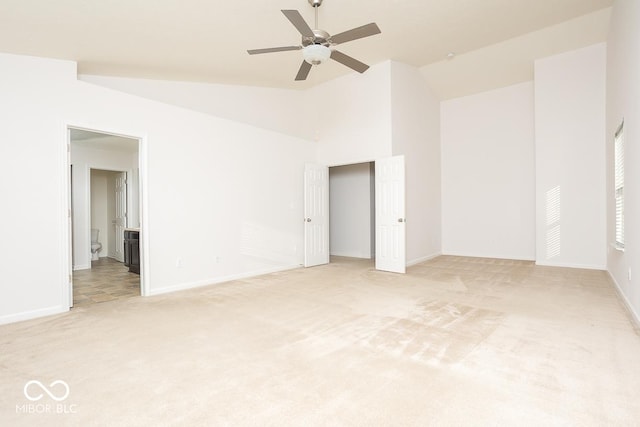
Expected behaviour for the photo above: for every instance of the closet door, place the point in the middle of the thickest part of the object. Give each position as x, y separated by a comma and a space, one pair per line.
390, 215
316, 215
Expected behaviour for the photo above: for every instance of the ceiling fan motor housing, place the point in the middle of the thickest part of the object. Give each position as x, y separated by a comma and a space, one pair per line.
319, 37
316, 50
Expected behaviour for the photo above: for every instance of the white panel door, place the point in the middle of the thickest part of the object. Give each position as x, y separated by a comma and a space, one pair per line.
316, 215
390, 215
120, 221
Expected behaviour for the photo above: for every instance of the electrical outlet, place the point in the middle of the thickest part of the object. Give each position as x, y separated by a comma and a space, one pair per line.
179, 262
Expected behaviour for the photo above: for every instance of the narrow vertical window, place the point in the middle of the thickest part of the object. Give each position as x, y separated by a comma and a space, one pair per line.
619, 185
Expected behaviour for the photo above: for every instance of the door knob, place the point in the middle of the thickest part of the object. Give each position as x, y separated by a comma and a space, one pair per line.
400, 220
308, 219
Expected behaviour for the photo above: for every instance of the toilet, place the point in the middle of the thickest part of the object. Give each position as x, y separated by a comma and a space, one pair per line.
95, 245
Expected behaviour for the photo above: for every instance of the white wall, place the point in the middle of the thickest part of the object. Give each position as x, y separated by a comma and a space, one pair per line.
570, 171
509, 62
99, 208
415, 123
623, 93
350, 210
84, 158
280, 110
32, 90
224, 197
351, 117
488, 174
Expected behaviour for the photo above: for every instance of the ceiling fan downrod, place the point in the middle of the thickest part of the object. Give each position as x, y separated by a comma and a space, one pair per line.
316, 4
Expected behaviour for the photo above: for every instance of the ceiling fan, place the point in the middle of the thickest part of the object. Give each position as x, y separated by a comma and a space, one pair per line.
316, 43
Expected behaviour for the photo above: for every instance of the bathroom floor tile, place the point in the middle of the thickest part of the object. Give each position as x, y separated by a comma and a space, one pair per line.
107, 280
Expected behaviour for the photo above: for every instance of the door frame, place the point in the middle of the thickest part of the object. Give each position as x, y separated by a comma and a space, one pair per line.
65, 205
355, 162
91, 167
372, 207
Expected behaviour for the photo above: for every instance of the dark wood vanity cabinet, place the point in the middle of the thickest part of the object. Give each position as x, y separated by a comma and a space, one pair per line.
132, 250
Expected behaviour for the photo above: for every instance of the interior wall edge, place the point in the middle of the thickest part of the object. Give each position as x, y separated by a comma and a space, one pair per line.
635, 317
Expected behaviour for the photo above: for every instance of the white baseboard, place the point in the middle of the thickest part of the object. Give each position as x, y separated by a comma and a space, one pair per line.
422, 259
81, 267
216, 280
33, 314
492, 256
625, 301
571, 265
351, 255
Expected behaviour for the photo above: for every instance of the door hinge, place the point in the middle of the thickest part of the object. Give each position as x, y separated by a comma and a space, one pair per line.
70, 278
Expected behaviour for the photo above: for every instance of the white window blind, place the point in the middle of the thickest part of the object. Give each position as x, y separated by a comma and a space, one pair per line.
619, 185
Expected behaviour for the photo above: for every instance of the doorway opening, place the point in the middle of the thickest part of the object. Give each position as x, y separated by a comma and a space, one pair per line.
105, 205
352, 216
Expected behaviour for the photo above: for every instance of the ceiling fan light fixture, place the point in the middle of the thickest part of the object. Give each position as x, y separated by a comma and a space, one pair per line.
317, 44
316, 54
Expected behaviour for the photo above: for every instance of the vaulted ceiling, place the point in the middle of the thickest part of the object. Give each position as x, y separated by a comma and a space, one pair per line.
207, 40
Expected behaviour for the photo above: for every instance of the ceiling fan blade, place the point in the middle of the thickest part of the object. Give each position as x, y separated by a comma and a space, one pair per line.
356, 33
273, 49
298, 21
303, 72
349, 61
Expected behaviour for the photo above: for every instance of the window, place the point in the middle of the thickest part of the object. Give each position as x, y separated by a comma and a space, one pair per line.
619, 185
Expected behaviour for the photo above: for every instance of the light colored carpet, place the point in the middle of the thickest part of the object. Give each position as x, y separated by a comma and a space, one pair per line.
456, 341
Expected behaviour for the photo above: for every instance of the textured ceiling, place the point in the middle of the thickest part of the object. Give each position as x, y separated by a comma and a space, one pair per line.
206, 40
